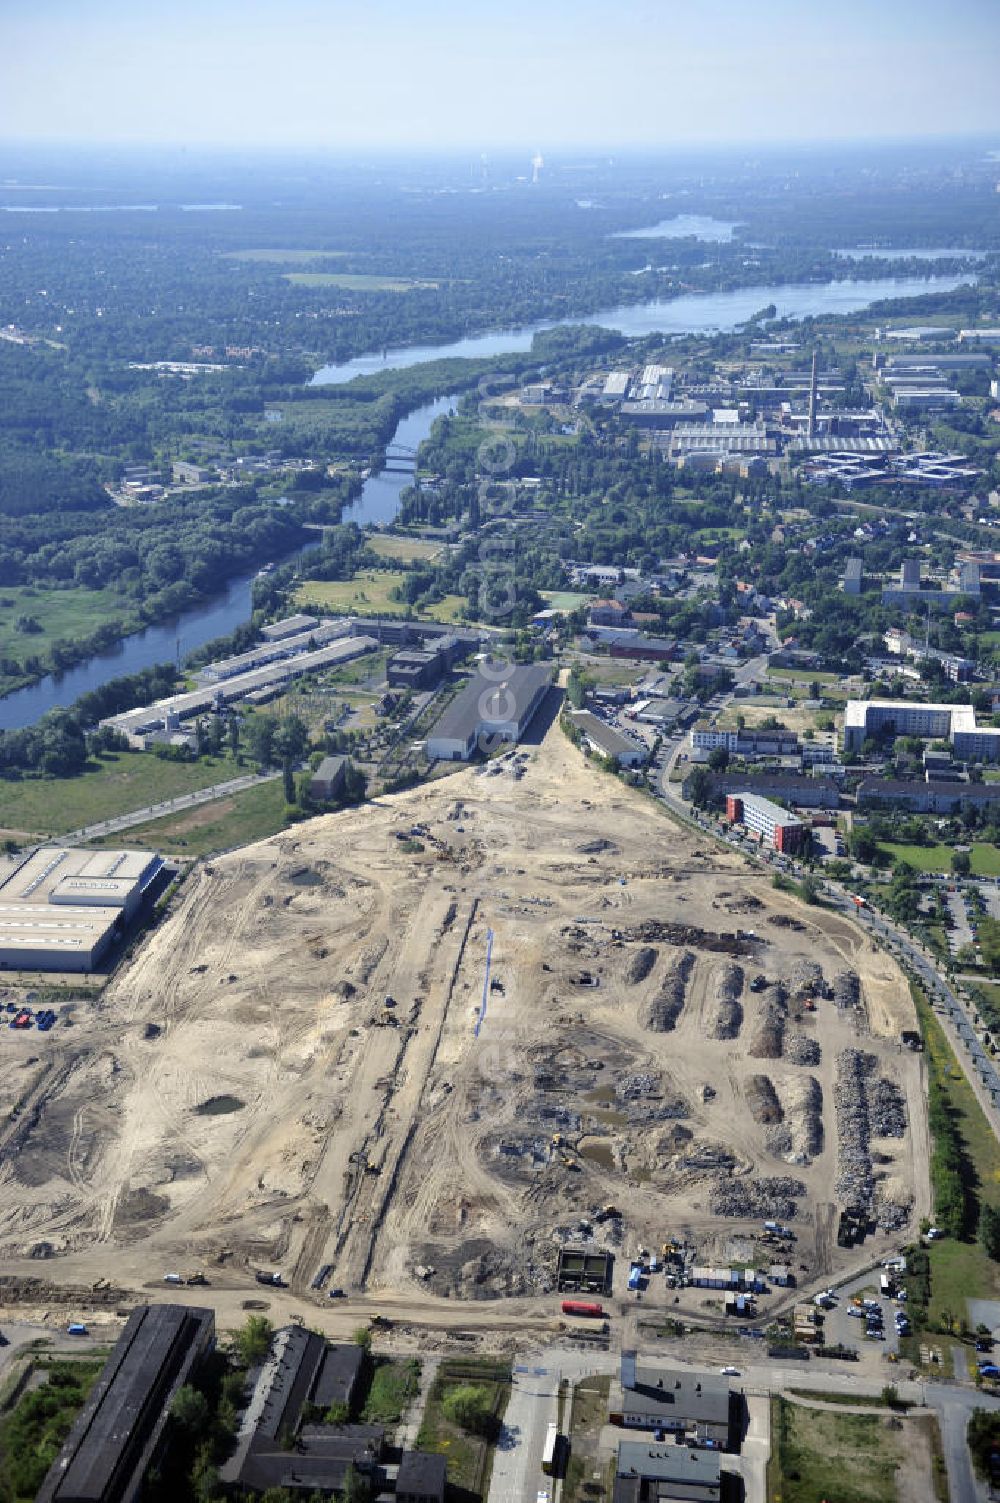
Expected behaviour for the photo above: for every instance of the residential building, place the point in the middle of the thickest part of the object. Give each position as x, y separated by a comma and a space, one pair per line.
871, 718
119, 1433
608, 613
930, 797
772, 824
853, 576
798, 792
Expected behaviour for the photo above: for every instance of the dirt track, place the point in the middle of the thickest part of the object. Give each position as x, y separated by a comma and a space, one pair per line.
387, 1139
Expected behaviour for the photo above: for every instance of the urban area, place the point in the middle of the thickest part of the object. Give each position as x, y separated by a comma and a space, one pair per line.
500, 886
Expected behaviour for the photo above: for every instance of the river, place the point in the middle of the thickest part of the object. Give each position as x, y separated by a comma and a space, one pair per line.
694, 313
379, 499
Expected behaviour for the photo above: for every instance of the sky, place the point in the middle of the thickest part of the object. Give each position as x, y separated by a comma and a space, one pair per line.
474, 75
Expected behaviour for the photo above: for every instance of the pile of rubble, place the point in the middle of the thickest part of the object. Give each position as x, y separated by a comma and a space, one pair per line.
887, 1109
662, 1012
639, 964
768, 1036
758, 1199
762, 1099
855, 1185
806, 980
802, 1049
847, 989
638, 1087
729, 1016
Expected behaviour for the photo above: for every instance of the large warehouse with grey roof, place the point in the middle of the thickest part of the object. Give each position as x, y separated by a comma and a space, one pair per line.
61, 908
498, 703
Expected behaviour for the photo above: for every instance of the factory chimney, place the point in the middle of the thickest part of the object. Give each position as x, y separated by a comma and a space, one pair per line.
812, 400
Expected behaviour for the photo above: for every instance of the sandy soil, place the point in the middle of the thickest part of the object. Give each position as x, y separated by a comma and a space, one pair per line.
289, 1073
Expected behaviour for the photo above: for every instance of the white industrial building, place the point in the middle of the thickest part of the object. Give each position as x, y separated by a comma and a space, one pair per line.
607, 742
62, 908
498, 704
955, 723
141, 725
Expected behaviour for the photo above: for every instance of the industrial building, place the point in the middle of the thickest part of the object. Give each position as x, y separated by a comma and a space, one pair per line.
141, 725
497, 704
651, 1397
772, 824
607, 742
276, 649
424, 667
61, 909
276, 1449
653, 1473
328, 779
118, 1435
871, 718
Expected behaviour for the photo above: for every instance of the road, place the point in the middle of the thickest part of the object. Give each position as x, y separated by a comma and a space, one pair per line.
533, 1405
169, 806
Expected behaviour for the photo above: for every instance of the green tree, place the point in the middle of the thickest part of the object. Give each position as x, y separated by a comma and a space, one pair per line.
357, 1487
699, 787
470, 1407
961, 863
718, 759
253, 1340
190, 1411
989, 1231
983, 1436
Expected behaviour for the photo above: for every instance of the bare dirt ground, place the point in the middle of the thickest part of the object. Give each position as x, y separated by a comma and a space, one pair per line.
297, 1069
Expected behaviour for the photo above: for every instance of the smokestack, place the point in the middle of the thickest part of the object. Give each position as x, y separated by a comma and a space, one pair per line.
812, 400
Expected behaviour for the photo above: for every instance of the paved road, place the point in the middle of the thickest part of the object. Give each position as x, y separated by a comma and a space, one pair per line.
170, 806
533, 1405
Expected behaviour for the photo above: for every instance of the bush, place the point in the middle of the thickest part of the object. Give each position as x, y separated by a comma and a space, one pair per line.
471, 1408
253, 1340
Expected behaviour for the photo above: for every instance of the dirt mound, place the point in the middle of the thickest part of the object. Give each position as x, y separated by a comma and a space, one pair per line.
639, 964
762, 1099
661, 1014
803, 1097
767, 1037
729, 1014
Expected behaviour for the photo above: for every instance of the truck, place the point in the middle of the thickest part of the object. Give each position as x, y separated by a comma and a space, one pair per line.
582, 1307
273, 1280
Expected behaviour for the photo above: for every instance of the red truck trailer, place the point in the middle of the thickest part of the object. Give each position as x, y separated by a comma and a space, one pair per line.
581, 1307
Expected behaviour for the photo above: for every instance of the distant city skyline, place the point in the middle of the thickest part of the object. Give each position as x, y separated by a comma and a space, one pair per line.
441, 76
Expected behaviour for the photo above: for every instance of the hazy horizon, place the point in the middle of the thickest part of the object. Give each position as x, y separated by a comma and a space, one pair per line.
300, 77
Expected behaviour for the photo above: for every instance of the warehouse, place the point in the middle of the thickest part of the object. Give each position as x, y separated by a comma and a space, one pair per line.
607, 742
62, 908
119, 1433
497, 704
137, 725
663, 1472
648, 1396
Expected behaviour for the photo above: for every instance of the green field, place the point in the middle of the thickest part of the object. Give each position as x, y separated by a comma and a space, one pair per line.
394, 1384
818, 1455
355, 281
283, 257
937, 858
564, 600
233, 820
117, 784
961, 1270
61, 614
369, 592
405, 550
